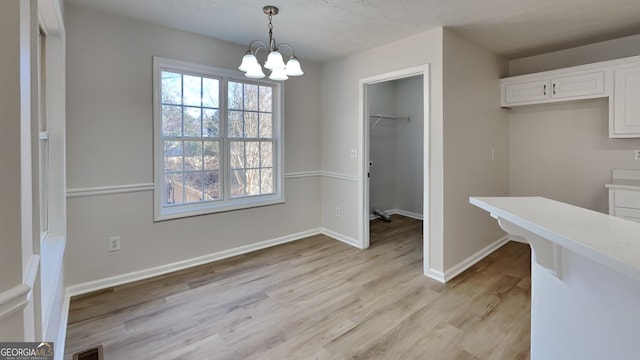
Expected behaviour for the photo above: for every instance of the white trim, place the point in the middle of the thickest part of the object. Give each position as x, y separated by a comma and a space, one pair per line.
108, 190
51, 276
408, 214
473, 259
62, 331
129, 188
302, 174
100, 284
340, 176
435, 275
31, 273
342, 238
14, 300
363, 138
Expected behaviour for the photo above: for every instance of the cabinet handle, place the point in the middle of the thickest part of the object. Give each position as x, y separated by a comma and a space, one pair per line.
544, 90
554, 88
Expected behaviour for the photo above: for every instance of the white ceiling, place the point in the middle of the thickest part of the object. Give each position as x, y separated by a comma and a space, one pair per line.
327, 29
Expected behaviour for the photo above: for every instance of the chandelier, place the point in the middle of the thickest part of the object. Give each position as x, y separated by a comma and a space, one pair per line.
275, 63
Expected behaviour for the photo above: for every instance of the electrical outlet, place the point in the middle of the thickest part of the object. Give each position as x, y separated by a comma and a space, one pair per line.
636, 154
354, 153
338, 211
113, 243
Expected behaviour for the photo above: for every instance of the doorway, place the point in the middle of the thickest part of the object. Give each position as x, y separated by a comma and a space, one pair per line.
394, 143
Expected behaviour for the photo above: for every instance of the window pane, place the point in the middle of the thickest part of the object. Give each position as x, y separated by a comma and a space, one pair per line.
172, 189
265, 99
193, 155
266, 126
211, 185
192, 90
266, 154
192, 122
266, 184
210, 96
250, 97
234, 95
193, 187
172, 156
171, 88
234, 129
237, 155
211, 155
253, 154
253, 182
210, 123
171, 120
237, 183
250, 124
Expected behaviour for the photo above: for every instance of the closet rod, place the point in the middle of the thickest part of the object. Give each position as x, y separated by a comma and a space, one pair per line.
391, 117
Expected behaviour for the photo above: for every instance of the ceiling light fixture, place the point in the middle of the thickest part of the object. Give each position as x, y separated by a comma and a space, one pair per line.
275, 63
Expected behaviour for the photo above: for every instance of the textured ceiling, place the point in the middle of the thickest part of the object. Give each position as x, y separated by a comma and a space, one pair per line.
327, 29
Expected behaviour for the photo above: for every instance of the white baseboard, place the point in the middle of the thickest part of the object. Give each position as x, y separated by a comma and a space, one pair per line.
473, 259
345, 239
408, 214
100, 284
435, 275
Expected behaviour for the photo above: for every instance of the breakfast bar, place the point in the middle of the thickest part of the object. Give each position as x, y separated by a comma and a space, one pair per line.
585, 277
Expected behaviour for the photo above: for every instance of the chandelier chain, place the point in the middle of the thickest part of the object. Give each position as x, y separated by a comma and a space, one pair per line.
272, 44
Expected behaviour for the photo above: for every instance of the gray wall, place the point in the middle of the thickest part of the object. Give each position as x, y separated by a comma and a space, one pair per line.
341, 124
109, 142
474, 125
11, 328
563, 151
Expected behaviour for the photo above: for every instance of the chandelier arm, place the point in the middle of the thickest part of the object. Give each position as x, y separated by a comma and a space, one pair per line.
262, 45
293, 53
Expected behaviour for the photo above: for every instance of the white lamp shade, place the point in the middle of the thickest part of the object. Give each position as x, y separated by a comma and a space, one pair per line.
255, 71
274, 61
278, 74
248, 60
293, 67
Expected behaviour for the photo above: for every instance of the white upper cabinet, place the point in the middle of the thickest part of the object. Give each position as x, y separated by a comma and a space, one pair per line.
525, 92
617, 80
625, 121
522, 90
578, 86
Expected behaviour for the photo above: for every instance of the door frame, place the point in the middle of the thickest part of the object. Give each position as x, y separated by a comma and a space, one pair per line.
363, 183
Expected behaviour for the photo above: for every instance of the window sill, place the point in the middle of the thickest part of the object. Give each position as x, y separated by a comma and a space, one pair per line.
178, 212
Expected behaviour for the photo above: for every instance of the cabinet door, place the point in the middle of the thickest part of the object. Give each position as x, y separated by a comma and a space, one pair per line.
577, 85
629, 214
525, 92
626, 104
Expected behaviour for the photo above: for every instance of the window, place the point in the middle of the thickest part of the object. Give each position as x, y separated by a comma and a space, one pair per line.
218, 140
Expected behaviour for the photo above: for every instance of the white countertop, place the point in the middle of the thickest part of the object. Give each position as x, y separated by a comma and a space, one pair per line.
605, 239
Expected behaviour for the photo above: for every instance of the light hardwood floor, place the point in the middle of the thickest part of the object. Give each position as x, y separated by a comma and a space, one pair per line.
316, 298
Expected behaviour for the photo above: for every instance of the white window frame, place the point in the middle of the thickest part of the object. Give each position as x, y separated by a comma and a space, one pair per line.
227, 203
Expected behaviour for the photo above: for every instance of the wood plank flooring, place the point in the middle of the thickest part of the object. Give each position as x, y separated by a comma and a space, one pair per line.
316, 299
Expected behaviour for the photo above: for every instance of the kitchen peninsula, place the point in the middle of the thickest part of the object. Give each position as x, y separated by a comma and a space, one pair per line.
585, 277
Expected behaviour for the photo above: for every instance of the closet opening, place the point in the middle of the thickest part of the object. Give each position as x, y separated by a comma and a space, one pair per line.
394, 109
